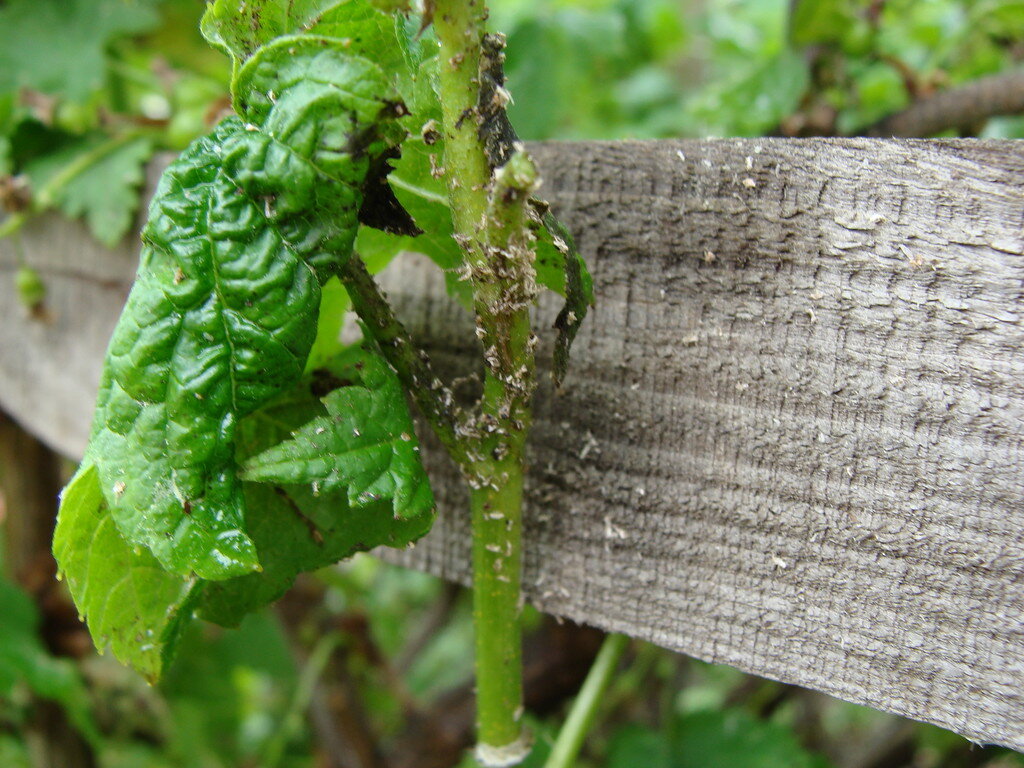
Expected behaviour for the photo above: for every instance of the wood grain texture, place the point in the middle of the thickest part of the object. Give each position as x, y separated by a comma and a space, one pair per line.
792, 437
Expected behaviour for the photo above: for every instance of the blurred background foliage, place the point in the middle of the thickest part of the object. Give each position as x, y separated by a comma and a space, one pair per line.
367, 665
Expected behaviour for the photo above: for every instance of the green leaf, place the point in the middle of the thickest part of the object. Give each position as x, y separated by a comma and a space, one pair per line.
129, 600
14, 752
821, 21
244, 228
392, 41
365, 445
561, 268
98, 178
302, 527
729, 738
240, 27
426, 199
75, 67
334, 302
23, 658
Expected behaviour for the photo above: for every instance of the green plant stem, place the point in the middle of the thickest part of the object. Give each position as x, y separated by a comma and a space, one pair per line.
490, 219
497, 532
584, 708
461, 26
304, 690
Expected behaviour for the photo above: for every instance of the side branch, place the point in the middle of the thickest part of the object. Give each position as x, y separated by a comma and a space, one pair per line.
432, 397
959, 108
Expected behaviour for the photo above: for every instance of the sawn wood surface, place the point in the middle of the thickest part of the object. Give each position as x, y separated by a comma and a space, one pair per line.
792, 436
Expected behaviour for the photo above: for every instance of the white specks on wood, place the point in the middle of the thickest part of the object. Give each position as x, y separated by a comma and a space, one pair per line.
817, 380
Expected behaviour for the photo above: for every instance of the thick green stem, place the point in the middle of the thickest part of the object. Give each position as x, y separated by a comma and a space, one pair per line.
461, 26
490, 215
584, 708
497, 531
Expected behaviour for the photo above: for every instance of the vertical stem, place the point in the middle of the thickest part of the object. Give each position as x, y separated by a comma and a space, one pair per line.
584, 708
460, 26
497, 527
489, 214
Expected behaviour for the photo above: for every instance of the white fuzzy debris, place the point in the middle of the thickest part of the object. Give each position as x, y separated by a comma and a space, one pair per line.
490, 756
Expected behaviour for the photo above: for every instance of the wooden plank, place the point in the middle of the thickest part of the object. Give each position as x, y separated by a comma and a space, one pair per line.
792, 435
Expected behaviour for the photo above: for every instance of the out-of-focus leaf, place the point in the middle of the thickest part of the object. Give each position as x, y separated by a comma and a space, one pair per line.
31, 289
58, 48
24, 659
729, 738
14, 752
97, 178
227, 691
822, 21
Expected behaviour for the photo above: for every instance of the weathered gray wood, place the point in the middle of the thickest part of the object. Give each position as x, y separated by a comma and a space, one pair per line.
792, 439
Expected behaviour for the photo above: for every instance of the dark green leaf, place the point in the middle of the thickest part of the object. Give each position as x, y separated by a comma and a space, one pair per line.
364, 445
244, 228
75, 67
301, 527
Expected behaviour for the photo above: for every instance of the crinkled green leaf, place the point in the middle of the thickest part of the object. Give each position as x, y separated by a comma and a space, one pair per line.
302, 527
365, 445
240, 27
58, 47
392, 41
128, 599
243, 229
98, 178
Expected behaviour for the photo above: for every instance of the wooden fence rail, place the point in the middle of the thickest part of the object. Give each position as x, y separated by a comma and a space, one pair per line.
792, 438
